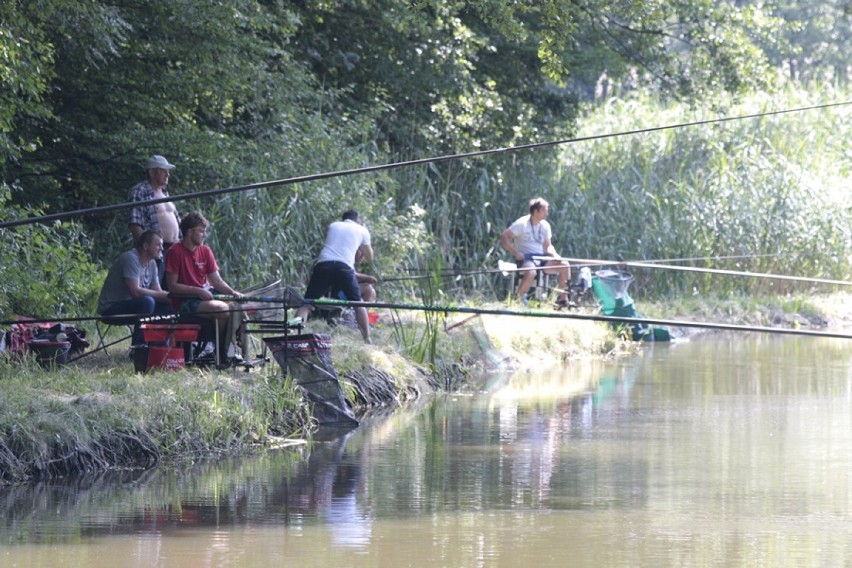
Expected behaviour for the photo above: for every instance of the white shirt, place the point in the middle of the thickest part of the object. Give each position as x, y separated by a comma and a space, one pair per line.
342, 242
529, 238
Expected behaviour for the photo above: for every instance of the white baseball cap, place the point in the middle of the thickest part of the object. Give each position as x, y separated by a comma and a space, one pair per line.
157, 161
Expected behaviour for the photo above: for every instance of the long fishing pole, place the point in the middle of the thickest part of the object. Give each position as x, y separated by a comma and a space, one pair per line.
527, 313
576, 316
457, 273
638, 264
409, 163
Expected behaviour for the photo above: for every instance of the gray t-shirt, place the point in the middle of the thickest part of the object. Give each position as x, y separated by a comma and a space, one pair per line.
128, 265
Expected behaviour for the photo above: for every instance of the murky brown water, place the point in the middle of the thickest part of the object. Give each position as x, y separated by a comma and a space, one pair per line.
728, 451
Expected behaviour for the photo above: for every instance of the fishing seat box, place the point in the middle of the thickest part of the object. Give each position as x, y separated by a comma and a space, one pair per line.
163, 348
169, 333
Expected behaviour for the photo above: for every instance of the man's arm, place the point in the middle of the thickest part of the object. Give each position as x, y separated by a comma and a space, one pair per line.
365, 252
136, 291
184, 289
220, 285
507, 241
549, 250
136, 231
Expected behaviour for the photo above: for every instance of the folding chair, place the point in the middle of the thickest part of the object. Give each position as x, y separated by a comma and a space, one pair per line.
102, 326
540, 287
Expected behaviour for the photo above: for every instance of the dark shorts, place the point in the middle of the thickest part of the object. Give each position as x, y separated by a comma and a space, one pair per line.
338, 276
528, 257
189, 306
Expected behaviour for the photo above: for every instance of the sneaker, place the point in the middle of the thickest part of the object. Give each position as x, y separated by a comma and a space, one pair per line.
564, 302
525, 300
208, 349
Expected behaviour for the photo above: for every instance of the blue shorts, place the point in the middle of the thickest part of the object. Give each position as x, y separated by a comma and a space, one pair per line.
333, 275
528, 257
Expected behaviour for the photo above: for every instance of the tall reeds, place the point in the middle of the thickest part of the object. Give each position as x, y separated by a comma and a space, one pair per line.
767, 187
775, 189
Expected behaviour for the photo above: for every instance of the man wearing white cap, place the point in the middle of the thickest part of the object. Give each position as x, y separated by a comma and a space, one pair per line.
160, 217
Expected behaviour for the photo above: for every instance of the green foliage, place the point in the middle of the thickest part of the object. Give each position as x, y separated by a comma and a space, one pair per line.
25, 73
813, 44
46, 270
771, 186
240, 91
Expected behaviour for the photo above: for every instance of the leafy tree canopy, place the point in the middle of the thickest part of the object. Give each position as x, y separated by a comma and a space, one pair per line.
239, 91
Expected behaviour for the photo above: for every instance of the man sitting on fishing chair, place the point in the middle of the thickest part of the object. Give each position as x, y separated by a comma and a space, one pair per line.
193, 277
528, 240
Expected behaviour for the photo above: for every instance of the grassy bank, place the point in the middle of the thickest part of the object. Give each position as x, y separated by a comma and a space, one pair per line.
96, 414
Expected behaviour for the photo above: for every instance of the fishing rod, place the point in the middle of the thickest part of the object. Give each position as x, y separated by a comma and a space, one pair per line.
576, 316
504, 266
638, 264
409, 163
290, 303
158, 318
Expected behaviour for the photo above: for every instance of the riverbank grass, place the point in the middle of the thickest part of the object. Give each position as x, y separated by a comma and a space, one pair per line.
101, 415
97, 413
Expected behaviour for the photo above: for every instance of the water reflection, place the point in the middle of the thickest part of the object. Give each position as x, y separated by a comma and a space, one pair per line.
727, 451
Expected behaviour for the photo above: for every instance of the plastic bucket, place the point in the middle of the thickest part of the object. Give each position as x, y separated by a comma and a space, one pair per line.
50, 353
165, 358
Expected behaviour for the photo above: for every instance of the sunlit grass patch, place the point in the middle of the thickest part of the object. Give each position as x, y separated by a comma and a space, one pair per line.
554, 339
77, 418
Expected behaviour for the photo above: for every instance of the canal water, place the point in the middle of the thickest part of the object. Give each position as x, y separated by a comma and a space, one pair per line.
723, 451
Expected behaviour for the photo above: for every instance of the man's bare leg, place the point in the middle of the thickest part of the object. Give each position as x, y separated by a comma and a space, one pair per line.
527, 277
363, 323
563, 277
217, 311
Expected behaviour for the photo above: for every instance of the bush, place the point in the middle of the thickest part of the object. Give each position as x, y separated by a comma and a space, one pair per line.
46, 270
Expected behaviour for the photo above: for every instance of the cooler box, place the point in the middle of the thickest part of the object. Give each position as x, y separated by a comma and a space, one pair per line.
169, 333
163, 346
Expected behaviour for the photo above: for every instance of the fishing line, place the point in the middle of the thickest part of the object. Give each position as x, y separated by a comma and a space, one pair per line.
638, 264
576, 316
409, 163
449, 272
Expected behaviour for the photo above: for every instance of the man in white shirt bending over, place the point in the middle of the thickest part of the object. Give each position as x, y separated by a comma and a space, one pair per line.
335, 267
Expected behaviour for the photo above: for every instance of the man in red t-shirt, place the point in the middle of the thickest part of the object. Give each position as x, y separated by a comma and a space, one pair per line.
193, 276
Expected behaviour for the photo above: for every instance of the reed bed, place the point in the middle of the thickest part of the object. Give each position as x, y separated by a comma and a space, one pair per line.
774, 188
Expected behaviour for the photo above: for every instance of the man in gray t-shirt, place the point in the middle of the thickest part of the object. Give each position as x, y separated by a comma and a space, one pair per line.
132, 286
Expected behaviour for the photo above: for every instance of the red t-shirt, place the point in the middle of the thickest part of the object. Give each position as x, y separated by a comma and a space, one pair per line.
193, 267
